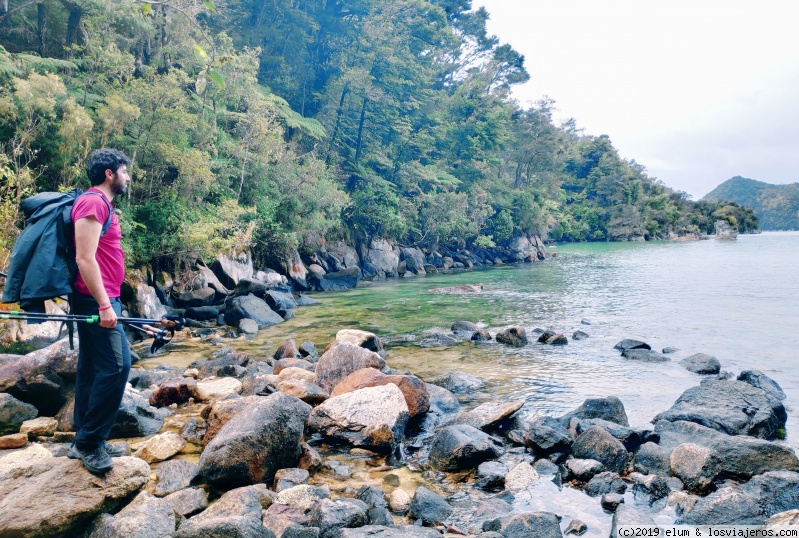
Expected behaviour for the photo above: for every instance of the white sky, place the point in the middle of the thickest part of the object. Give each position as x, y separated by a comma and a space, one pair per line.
697, 91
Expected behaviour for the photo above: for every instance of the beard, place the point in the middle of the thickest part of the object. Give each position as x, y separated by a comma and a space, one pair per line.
119, 186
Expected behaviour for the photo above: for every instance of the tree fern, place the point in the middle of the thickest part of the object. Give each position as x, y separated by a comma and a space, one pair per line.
41, 65
294, 120
7, 67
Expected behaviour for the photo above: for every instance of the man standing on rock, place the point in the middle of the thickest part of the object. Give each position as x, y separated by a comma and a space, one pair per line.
104, 357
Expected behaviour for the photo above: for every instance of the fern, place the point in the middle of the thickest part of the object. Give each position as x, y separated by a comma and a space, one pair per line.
7, 67
294, 120
41, 65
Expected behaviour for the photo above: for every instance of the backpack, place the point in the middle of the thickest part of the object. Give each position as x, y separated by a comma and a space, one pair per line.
43, 262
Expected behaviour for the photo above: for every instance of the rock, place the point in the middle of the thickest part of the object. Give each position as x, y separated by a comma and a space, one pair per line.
557, 339
429, 507
458, 290
305, 391
287, 350
402, 531
611, 501
373, 417
343, 359
526, 525
520, 477
579, 335
336, 280
576, 527
13, 413
372, 496
758, 379
309, 352
399, 501
462, 447
442, 400
628, 344
144, 517
280, 302
45, 497
610, 409
681, 502
330, 516
42, 426
789, 518
652, 459
584, 470
360, 338
670, 349
296, 374
728, 505
202, 313
293, 363
729, 406
288, 478
136, 417
146, 303
696, 465
230, 269
38, 377
459, 382
212, 388
437, 339
272, 279
644, 355
236, 514
413, 388
302, 497
141, 379
626, 515
597, 444
512, 336
15, 440
605, 482
175, 475
222, 411
725, 230
256, 442
250, 307
176, 391
491, 474
414, 260
161, 447
488, 415
17, 457
481, 335
187, 502
648, 489
196, 298
464, 328
547, 436
381, 260
701, 363
248, 326
310, 460
379, 516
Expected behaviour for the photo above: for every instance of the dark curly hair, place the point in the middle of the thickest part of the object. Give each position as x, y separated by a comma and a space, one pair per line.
104, 159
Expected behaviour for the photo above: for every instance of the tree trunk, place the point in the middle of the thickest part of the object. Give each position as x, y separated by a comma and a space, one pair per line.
40, 28
339, 112
73, 24
358, 145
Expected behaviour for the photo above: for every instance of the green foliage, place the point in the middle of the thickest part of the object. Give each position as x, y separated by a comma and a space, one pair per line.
776, 206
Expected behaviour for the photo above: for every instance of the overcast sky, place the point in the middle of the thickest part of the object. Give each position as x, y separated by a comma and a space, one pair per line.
697, 91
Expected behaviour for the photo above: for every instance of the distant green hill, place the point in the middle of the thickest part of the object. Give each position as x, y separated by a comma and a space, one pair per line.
776, 206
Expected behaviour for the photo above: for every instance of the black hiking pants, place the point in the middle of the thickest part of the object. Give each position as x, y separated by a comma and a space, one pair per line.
103, 367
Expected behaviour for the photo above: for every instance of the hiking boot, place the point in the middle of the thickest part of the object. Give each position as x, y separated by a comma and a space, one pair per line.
111, 450
96, 460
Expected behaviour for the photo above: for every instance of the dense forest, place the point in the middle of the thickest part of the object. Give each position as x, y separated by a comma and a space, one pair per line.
277, 125
776, 206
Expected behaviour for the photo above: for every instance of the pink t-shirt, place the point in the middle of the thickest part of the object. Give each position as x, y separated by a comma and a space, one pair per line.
109, 254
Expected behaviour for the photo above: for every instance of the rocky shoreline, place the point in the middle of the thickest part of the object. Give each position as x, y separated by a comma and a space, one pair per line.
306, 443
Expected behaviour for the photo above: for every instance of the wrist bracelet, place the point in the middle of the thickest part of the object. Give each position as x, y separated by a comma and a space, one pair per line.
106, 307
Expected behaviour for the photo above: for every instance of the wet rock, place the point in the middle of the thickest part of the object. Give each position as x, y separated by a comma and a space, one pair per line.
144, 517
48, 496
250, 307
231, 269
196, 298
584, 469
464, 328
548, 436
728, 505
372, 496
701, 363
669, 349
399, 501
373, 417
139, 378
481, 335
287, 350
293, 363
597, 444
187, 502
579, 335
330, 516
429, 507
303, 497
308, 351
459, 382
491, 475
652, 459
488, 415
644, 355
161, 447
310, 460
611, 501
437, 339
402, 531
216, 388
606, 482
136, 417
414, 260
512, 336
342, 360
202, 313
42, 426
729, 406
522, 476
610, 409
280, 302
527, 525
576, 527
681, 502
337, 280
413, 388
648, 489
175, 475
458, 290
696, 465
557, 339
248, 326
462, 447
236, 514
288, 478
759, 380
175, 391
13, 413
15, 440
256, 442
628, 343
442, 400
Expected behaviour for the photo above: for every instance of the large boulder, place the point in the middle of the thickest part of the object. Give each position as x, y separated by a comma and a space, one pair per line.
38, 378
222, 411
429, 507
414, 260
629, 343
343, 359
230, 269
526, 525
136, 417
459, 382
701, 363
597, 444
280, 302
644, 355
49, 496
256, 442
413, 388
382, 259
251, 307
237, 514
461, 447
13, 413
146, 303
758, 379
364, 339
336, 280
729, 406
400, 531
372, 417
330, 516
145, 517
610, 409
490, 414
547, 435
175, 475
176, 391
523, 249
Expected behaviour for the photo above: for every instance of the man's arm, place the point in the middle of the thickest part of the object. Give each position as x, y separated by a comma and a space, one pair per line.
87, 237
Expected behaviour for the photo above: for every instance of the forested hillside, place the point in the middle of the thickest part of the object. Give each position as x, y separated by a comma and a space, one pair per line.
271, 125
776, 206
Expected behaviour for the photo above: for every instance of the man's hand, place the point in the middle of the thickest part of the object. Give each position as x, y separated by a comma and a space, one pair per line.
108, 318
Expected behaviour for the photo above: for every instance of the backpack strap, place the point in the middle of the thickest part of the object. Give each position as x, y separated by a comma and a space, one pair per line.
110, 210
